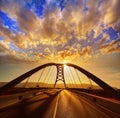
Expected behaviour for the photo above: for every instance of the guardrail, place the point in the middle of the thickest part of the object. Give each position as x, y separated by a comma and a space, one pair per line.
110, 104
8, 100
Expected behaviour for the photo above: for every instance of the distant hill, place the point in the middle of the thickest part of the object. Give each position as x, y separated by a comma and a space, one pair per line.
31, 84
2, 83
34, 84
41, 84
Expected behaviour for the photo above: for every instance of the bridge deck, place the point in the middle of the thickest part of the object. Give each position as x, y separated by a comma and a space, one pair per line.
55, 103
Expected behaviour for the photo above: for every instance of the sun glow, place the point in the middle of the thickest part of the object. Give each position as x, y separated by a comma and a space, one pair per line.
65, 66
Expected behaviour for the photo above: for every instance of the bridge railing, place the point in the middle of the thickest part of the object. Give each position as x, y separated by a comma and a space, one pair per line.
110, 104
8, 100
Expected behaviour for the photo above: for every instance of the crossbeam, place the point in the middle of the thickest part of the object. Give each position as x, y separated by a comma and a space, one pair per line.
60, 74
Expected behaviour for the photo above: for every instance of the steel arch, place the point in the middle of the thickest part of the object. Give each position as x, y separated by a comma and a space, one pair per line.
108, 89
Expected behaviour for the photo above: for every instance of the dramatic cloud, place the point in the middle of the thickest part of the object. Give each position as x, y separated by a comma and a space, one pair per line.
112, 15
67, 30
112, 47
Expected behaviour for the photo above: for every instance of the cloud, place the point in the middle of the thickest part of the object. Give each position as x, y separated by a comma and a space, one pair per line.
75, 31
4, 49
4, 45
15, 60
6, 33
8, 55
112, 15
32, 22
111, 48
86, 51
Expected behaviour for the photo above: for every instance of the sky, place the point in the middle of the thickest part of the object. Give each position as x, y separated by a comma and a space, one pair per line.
82, 32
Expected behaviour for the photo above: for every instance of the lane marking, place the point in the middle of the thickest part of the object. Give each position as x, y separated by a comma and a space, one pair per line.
55, 111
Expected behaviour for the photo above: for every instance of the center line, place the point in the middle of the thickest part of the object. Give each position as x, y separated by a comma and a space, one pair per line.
55, 111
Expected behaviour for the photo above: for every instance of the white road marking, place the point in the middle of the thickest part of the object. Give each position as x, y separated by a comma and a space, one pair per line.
55, 111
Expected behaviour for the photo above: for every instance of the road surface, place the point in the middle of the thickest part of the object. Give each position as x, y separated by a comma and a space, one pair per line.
55, 104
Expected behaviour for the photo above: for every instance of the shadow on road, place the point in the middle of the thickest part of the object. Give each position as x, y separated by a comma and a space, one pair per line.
21, 110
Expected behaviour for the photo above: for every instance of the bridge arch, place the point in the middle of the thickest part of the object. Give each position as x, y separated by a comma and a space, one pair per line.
108, 89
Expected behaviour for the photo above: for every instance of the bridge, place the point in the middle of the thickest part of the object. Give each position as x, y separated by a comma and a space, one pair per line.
57, 90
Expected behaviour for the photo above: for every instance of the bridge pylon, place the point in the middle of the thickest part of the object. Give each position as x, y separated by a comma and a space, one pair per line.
60, 74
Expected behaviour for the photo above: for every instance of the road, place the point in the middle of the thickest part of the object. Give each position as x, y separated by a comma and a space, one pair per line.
55, 104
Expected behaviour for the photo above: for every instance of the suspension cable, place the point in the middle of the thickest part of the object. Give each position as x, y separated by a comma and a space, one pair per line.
68, 78
78, 77
46, 75
54, 77
53, 74
67, 74
26, 82
71, 80
49, 76
42, 71
73, 77
90, 83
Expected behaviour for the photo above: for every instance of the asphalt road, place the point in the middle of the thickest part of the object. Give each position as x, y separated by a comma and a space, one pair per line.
55, 104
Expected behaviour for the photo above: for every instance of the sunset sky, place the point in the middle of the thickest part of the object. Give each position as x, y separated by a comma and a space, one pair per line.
83, 32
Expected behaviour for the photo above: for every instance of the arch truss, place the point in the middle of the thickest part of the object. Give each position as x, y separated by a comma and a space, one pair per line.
60, 77
60, 74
